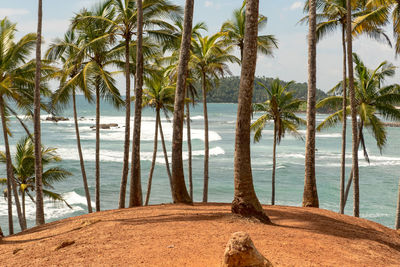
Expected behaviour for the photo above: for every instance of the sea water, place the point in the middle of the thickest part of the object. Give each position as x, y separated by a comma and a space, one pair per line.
378, 179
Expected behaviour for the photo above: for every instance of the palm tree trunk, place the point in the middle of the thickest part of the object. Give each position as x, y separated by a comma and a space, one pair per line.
125, 167
37, 131
97, 148
82, 163
135, 196
189, 143
356, 206
310, 195
165, 154
206, 145
179, 191
11, 185
397, 225
344, 130
23, 206
153, 161
245, 202
346, 194
273, 167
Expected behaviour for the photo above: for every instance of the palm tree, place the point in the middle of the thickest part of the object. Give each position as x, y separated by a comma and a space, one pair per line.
397, 224
36, 123
24, 171
160, 96
68, 52
310, 195
333, 15
279, 108
209, 60
98, 56
371, 98
179, 192
245, 202
234, 31
17, 79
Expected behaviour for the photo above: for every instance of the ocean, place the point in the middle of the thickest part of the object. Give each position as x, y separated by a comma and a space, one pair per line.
378, 179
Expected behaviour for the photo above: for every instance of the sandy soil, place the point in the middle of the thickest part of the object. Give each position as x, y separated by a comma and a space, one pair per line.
178, 235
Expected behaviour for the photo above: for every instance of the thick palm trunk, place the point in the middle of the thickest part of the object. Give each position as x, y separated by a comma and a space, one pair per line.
356, 207
82, 163
310, 195
206, 145
273, 167
397, 225
23, 206
37, 131
135, 196
344, 105
11, 185
97, 148
245, 202
179, 191
165, 153
153, 161
189, 143
125, 167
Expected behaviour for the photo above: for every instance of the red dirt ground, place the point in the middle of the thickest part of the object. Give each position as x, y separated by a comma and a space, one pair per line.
178, 235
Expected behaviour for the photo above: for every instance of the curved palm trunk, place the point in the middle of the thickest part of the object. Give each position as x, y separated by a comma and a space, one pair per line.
356, 207
179, 191
273, 167
397, 225
37, 131
245, 202
189, 143
153, 161
125, 167
97, 148
82, 163
310, 195
343, 163
11, 185
165, 153
206, 145
135, 196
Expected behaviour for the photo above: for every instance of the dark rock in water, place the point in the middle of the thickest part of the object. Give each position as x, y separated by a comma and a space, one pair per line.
56, 119
105, 126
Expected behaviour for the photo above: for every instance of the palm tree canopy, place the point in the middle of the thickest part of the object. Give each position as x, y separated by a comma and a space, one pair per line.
279, 108
233, 31
375, 101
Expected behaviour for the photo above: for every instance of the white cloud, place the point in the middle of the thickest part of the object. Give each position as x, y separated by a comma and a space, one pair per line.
7, 12
296, 5
208, 4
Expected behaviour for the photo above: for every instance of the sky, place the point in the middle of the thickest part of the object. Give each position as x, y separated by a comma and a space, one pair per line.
288, 63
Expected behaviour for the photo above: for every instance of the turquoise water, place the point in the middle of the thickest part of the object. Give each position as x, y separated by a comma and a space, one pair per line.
378, 180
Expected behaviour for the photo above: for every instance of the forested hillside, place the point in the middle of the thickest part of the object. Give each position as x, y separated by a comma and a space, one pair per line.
227, 90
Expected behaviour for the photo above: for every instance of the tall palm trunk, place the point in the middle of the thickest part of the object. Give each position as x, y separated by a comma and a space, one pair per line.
245, 202
165, 153
135, 196
125, 167
344, 105
82, 163
206, 145
179, 191
36, 122
153, 161
397, 225
11, 185
97, 148
273, 166
310, 195
189, 143
356, 206
23, 206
